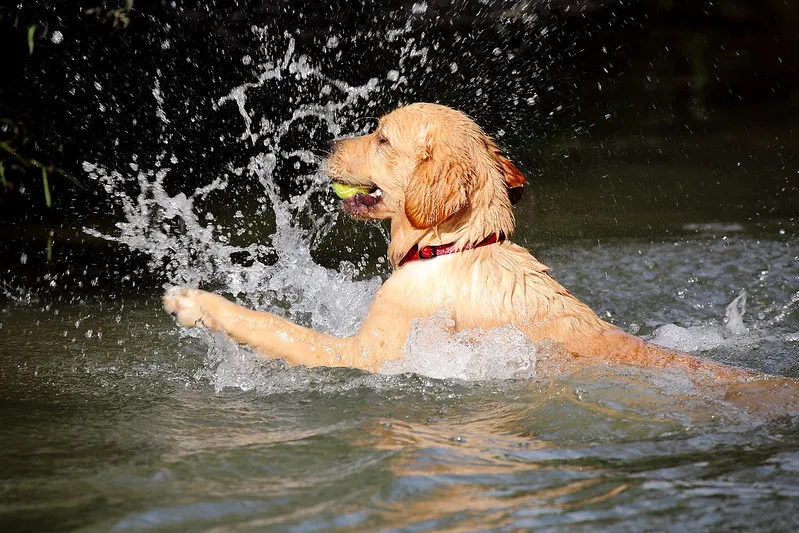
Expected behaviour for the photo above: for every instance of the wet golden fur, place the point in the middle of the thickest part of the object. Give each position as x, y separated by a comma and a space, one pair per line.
442, 181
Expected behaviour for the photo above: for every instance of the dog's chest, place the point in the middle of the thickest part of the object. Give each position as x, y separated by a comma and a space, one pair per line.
447, 281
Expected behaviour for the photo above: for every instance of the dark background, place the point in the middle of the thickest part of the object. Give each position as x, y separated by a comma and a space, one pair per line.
652, 90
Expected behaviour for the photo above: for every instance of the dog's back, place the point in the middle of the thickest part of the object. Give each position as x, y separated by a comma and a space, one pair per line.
504, 284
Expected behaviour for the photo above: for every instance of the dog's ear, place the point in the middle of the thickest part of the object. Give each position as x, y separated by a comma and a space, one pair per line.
437, 188
514, 180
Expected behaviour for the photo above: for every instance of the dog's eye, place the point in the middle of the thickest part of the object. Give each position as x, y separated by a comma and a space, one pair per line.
382, 140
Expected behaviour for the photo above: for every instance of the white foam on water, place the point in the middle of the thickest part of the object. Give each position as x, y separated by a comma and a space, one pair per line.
688, 339
709, 336
714, 227
434, 350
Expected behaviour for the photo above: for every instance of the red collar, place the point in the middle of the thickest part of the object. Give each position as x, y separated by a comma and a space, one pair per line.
431, 251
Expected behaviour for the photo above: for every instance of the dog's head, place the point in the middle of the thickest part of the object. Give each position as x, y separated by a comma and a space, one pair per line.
426, 163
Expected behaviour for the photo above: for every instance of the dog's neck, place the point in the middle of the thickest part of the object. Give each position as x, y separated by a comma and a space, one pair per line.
464, 229
432, 251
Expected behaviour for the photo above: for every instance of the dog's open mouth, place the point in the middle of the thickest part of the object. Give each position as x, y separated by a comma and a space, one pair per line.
362, 202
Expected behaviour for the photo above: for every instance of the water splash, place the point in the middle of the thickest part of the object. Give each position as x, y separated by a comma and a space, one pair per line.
187, 242
190, 244
708, 336
432, 349
689, 339
734, 315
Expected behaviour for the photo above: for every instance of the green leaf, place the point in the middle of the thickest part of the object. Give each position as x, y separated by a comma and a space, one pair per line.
31, 34
71, 178
47, 200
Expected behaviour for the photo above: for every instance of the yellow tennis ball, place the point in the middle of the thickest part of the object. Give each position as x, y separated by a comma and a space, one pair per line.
344, 190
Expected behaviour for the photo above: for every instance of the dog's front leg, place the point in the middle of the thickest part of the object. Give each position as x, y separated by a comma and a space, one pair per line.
269, 334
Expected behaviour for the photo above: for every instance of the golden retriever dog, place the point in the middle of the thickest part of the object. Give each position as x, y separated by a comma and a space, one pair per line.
448, 193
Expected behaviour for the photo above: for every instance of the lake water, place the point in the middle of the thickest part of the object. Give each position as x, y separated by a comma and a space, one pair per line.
114, 420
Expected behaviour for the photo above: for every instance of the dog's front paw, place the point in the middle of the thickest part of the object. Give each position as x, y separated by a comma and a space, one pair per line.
184, 304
